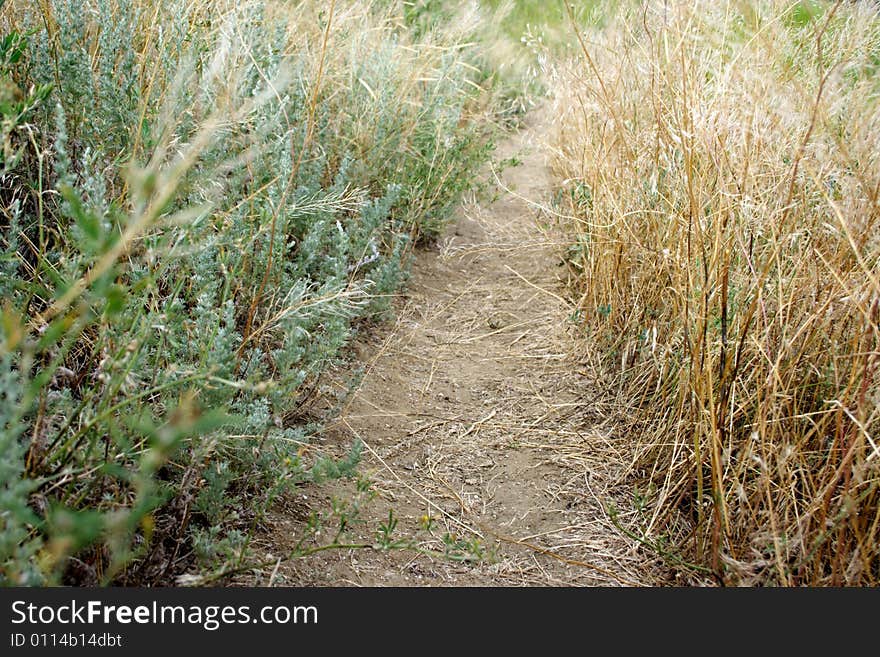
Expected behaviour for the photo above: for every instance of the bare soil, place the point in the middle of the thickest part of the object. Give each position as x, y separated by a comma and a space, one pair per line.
475, 414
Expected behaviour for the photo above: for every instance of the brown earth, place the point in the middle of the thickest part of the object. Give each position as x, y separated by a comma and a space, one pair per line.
477, 421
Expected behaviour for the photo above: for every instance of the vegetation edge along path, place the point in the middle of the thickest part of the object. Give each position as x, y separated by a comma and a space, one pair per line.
482, 439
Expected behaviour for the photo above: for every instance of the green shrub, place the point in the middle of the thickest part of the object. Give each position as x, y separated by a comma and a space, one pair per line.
199, 201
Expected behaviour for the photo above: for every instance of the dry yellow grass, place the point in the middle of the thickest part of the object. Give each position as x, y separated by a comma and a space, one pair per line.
721, 177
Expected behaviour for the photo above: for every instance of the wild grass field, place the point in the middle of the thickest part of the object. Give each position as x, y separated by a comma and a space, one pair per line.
204, 204
720, 167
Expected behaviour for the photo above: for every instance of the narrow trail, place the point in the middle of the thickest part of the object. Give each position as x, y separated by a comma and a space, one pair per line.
474, 413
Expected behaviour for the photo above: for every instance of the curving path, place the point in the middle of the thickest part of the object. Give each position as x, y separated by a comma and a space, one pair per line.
475, 414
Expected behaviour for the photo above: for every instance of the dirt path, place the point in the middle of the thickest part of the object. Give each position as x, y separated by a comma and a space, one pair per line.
474, 414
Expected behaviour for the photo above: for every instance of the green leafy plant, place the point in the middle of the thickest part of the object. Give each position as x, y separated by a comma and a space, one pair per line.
198, 207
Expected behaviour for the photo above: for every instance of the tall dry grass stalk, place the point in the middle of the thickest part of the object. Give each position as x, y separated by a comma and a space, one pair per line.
722, 168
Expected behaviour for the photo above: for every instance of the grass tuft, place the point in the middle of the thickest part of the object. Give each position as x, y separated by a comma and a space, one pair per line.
721, 177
